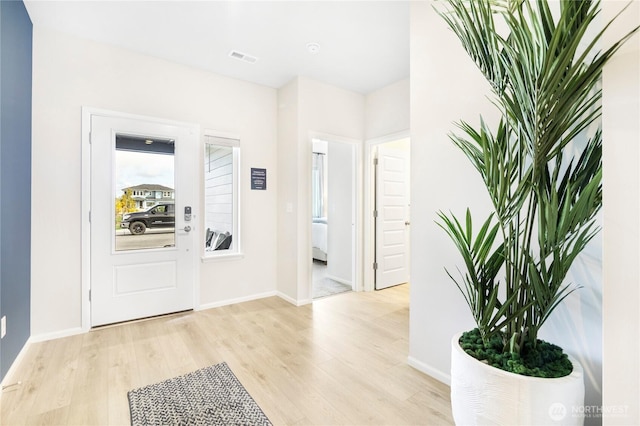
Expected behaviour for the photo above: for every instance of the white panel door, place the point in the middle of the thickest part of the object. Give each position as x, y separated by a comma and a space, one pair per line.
141, 271
392, 221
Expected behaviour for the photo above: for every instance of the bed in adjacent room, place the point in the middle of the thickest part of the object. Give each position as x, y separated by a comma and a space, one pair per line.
319, 238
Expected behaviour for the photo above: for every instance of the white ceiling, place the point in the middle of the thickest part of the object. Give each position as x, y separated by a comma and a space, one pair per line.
364, 45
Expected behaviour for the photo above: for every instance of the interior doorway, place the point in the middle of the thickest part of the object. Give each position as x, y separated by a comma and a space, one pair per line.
387, 209
333, 224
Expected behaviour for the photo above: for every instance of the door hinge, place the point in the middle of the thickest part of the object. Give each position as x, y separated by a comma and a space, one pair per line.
90, 138
375, 266
375, 161
375, 213
89, 216
89, 295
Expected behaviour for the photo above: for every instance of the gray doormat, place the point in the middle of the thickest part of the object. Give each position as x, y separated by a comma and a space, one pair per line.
209, 396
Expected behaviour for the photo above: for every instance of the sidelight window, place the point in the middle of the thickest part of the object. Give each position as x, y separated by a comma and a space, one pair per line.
221, 195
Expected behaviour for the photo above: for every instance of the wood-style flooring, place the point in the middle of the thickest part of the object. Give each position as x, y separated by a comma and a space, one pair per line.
341, 360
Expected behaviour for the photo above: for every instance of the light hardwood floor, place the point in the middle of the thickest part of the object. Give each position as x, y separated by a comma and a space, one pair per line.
342, 360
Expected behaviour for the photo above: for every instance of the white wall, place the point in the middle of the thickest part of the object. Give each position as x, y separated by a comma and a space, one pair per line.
311, 108
340, 215
387, 110
69, 73
621, 291
288, 147
444, 91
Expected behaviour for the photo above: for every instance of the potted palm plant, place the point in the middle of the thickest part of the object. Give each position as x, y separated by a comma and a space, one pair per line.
542, 168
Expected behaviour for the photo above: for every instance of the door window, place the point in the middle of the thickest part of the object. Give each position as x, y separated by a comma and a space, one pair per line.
144, 193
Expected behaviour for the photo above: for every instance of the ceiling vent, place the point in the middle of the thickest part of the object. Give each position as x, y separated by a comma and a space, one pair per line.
243, 57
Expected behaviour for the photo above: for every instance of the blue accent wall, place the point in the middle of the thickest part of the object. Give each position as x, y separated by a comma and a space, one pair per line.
16, 33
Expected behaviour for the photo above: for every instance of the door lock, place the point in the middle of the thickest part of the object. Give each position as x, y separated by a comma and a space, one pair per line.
187, 228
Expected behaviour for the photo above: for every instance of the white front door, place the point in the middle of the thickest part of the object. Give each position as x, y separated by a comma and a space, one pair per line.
143, 185
392, 220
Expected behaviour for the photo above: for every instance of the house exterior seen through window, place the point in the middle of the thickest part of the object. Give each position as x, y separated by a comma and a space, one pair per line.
148, 195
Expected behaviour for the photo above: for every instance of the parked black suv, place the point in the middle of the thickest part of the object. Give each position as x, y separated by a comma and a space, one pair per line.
158, 216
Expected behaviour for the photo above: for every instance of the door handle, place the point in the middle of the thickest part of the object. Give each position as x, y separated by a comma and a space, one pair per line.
407, 223
187, 228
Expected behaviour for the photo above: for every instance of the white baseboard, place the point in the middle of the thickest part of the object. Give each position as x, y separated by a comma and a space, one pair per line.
430, 371
8, 379
294, 301
57, 334
235, 300
253, 297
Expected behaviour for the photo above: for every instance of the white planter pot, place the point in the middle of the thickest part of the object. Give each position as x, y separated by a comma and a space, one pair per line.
485, 395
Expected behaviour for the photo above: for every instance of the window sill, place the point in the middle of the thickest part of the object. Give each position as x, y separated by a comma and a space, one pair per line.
221, 257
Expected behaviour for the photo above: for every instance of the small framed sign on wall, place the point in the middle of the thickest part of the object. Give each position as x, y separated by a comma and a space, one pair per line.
258, 179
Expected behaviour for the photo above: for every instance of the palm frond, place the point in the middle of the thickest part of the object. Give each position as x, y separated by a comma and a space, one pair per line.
545, 187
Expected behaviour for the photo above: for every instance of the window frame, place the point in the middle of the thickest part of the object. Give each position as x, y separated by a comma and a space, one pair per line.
212, 137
